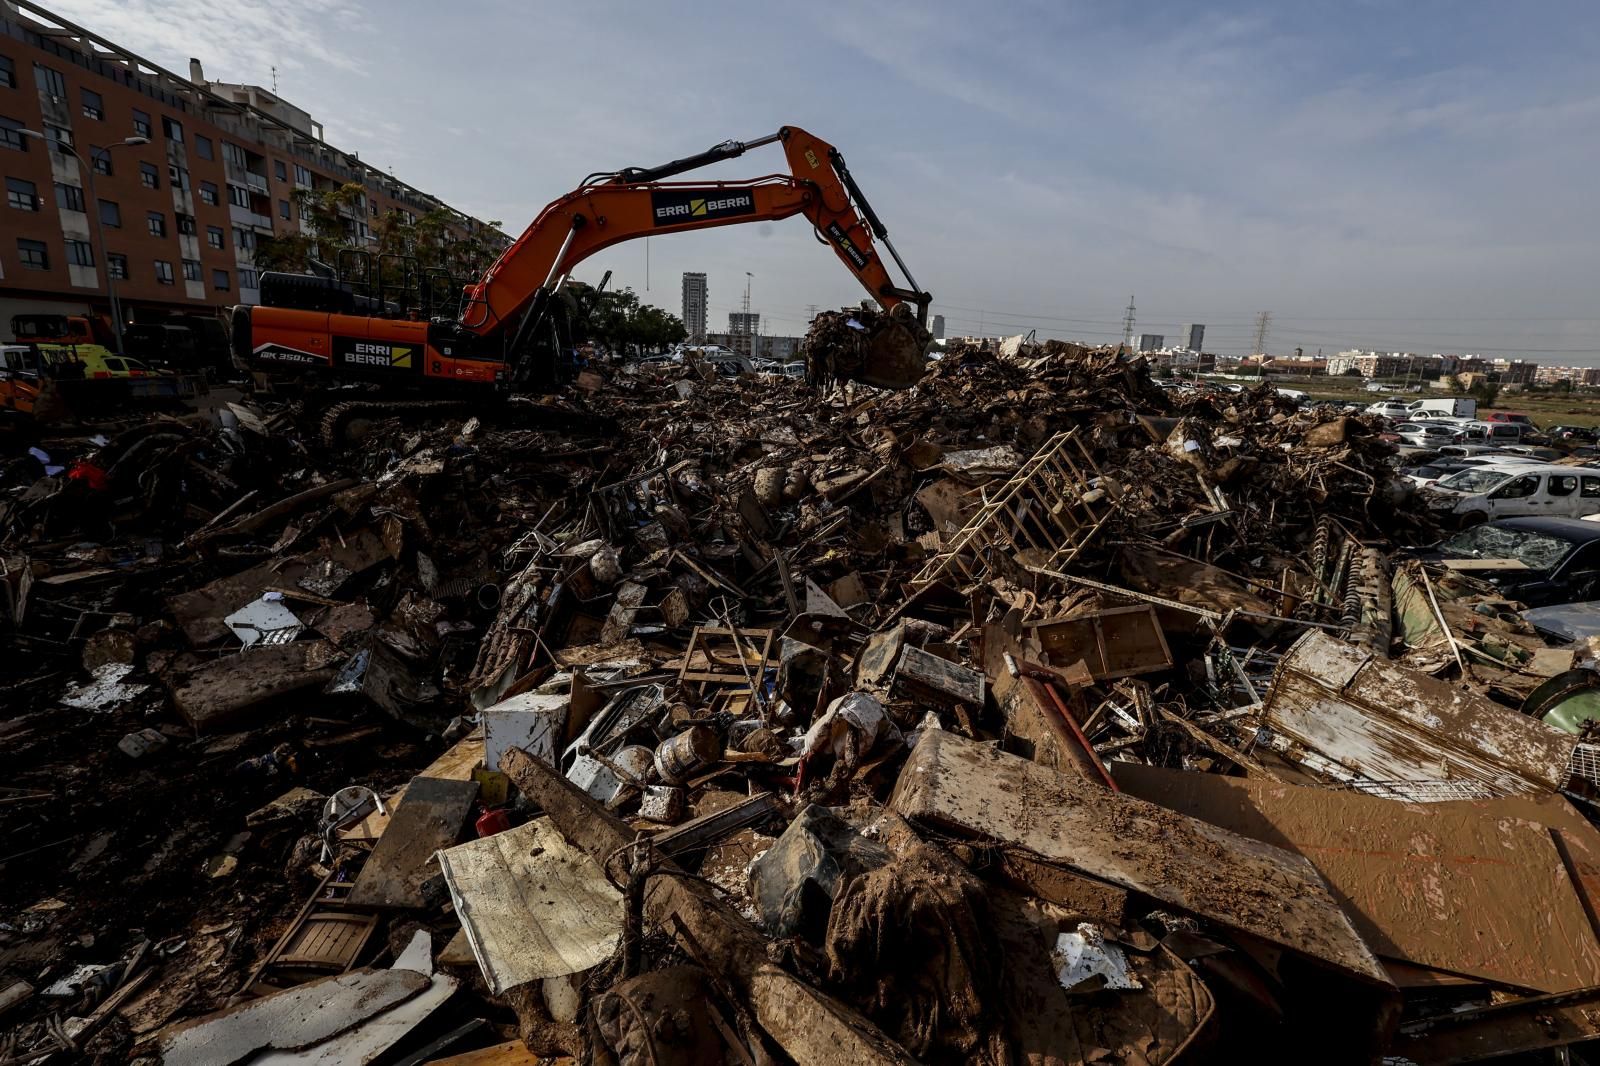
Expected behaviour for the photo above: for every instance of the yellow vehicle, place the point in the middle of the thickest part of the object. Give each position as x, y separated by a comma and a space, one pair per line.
98, 361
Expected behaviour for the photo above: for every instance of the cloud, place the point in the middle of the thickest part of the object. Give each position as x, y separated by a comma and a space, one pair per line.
237, 42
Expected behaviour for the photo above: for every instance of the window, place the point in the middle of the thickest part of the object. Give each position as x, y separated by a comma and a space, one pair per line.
202, 147
9, 137
374, 208
157, 223
1517, 488
101, 160
69, 197
219, 280
110, 214
214, 236
302, 176
117, 266
141, 123
247, 279
232, 153
79, 253
1563, 485
93, 107
178, 176
239, 196
186, 225
163, 272
34, 256
50, 81
149, 177
191, 270
280, 170
8, 73
283, 208
59, 136
22, 195
208, 193
173, 129
244, 240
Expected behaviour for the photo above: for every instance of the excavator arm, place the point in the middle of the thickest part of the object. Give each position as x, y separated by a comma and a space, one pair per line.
611, 208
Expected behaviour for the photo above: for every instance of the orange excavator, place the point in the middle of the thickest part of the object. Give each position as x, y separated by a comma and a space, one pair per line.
505, 333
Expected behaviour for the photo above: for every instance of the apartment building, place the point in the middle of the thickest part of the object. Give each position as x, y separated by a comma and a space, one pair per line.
183, 212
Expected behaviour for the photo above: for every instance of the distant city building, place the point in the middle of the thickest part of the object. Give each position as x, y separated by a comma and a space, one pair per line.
783, 349
1514, 371
1194, 337
1181, 359
1149, 342
938, 327
744, 322
694, 305
1386, 364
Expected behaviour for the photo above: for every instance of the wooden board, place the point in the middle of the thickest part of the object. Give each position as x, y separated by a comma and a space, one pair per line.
1388, 722
234, 691
1448, 887
511, 1053
432, 818
956, 784
1119, 642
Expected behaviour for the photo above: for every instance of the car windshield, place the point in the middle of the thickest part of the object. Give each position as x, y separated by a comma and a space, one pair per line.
1537, 551
1476, 480
1429, 472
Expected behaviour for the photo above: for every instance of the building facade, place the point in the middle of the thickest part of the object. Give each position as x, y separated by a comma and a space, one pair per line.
1149, 342
182, 214
744, 322
938, 327
694, 306
1514, 371
1194, 337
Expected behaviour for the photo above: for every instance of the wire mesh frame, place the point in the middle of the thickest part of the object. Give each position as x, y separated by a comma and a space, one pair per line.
1041, 508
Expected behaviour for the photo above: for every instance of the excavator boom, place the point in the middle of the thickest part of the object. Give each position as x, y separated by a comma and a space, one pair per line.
507, 305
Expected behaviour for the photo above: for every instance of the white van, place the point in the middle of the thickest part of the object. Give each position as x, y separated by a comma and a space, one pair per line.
1510, 490
1449, 406
1498, 434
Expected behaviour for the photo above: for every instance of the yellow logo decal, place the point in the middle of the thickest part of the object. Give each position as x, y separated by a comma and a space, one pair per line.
811, 157
697, 207
400, 357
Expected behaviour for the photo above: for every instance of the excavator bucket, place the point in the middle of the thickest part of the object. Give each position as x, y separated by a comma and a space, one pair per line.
889, 350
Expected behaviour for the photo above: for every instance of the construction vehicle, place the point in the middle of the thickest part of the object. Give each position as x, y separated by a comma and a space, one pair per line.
63, 329
52, 384
510, 329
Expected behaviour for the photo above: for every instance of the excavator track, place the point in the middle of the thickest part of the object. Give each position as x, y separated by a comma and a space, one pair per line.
336, 419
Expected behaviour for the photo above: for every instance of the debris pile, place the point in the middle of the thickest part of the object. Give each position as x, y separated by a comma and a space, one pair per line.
1035, 713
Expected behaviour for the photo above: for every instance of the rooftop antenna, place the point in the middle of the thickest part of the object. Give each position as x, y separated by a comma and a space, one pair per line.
274, 79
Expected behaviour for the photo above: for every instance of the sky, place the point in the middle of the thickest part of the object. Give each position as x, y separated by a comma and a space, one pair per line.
1413, 175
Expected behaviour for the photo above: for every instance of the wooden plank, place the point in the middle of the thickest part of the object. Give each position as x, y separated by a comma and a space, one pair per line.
511, 1053
433, 816
956, 784
1409, 873
1388, 722
236, 690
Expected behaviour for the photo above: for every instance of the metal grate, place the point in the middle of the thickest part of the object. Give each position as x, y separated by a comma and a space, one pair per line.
1585, 763
1423, 791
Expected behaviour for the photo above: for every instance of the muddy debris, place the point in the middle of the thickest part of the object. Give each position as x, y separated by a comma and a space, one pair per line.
1039, 712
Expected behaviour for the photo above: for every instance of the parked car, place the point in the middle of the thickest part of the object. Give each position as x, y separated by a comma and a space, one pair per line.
1539, 561
1434, 470
1469, 449
1586, 434
1534, 451
1426, 434
1509, 416
1451, 406
1390, 409
1504, 489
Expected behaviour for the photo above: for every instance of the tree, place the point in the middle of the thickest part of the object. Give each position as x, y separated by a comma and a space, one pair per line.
1452, 385
1352, 372
331, 216
1485, 392
621, 323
